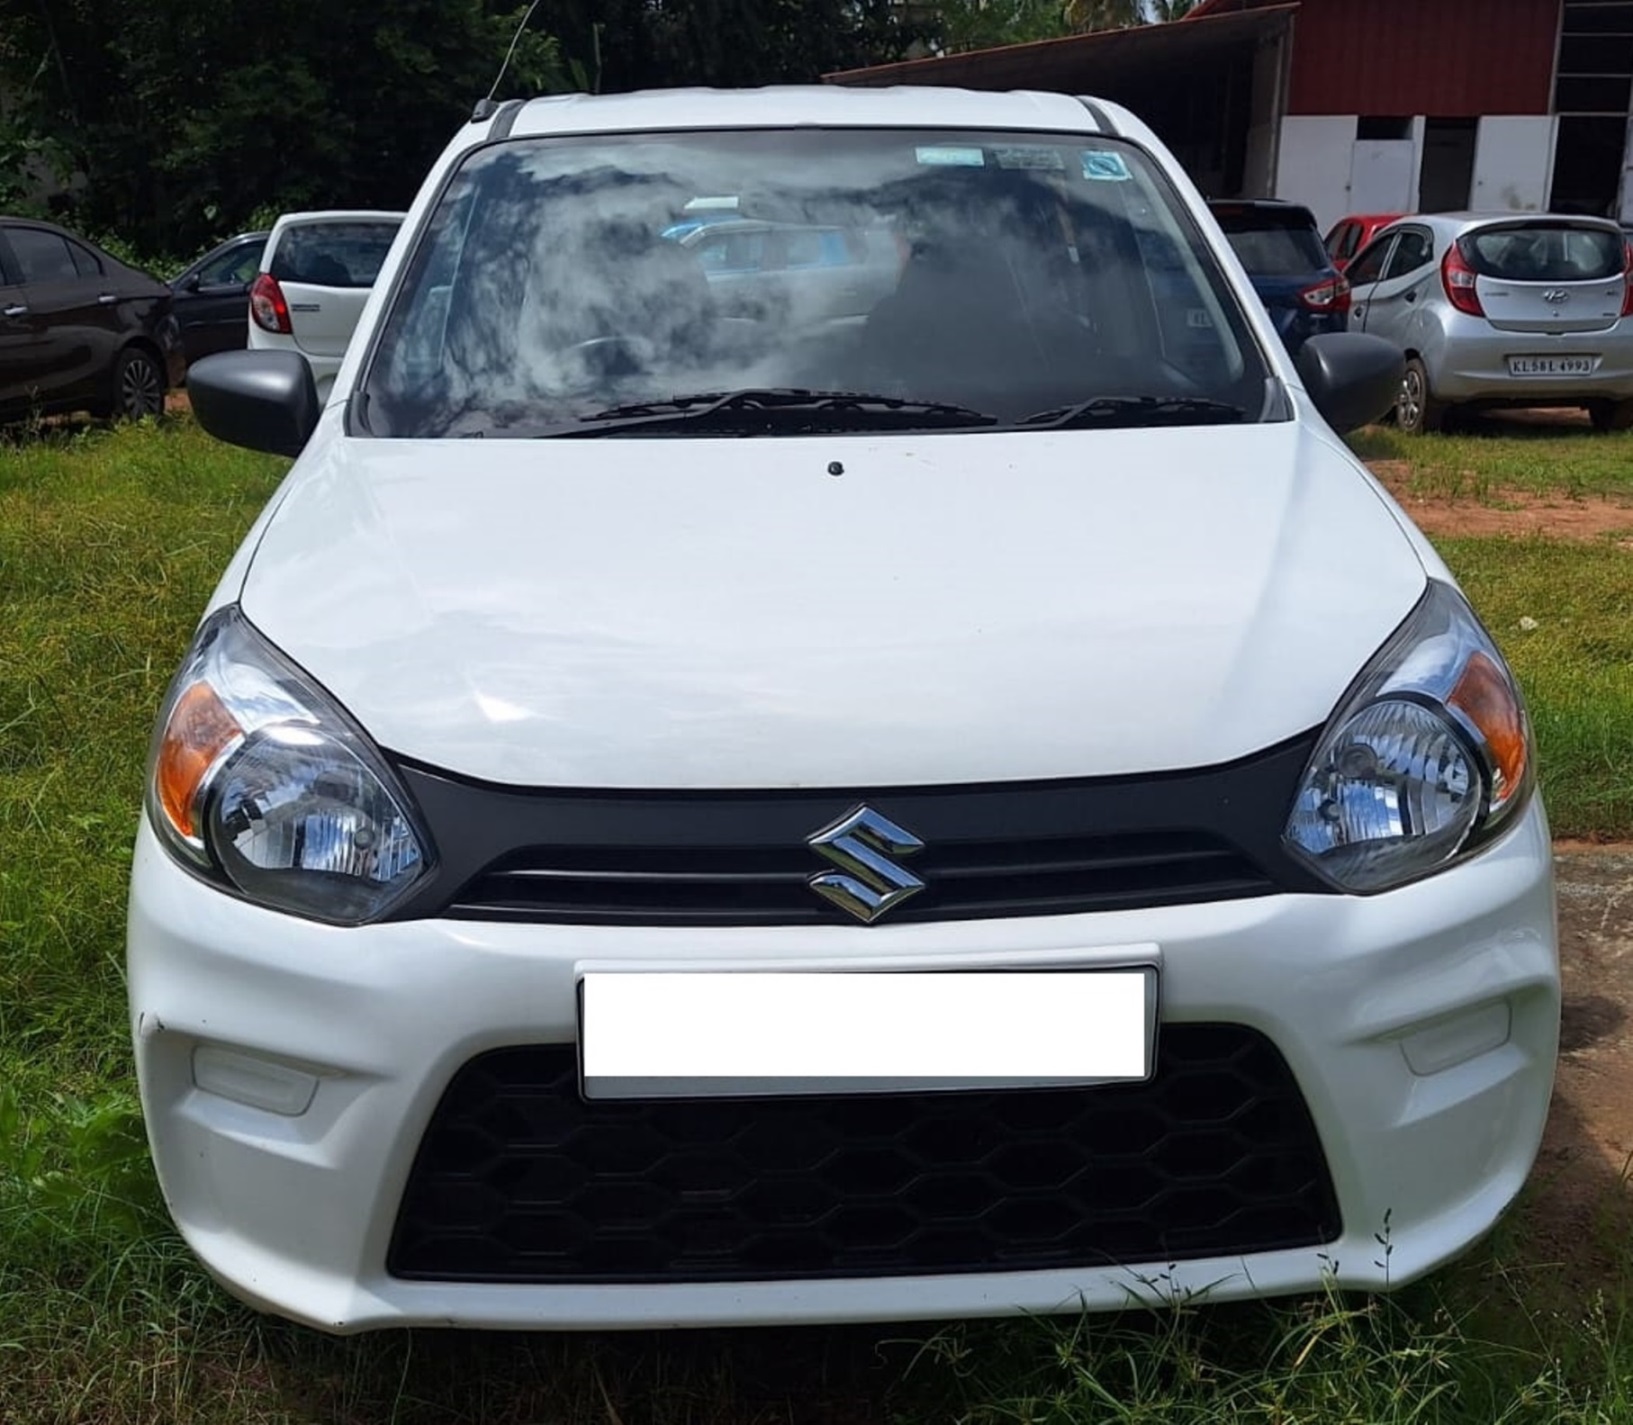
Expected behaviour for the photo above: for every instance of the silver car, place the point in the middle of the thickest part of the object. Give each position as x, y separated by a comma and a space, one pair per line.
1532, 310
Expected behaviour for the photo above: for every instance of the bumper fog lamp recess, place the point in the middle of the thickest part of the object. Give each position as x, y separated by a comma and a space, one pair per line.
251, 1080
1444, 1045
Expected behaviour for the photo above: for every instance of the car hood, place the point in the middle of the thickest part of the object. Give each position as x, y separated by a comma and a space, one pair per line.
841, 612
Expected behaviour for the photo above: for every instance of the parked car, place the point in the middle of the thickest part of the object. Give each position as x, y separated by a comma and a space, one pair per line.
1280, 246
675, 818
211, 298
315, 274
80, 330
1349, 235
790, 271
1502, 311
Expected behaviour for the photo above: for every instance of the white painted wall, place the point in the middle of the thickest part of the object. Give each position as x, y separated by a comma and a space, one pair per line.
1313, 166
1322, 165
1627, 177
1383, 176
1513, 161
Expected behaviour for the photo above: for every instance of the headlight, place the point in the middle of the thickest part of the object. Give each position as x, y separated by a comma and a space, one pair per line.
260, 782
1428, 756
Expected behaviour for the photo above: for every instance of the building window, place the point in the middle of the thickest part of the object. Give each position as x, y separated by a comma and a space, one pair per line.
1385, 127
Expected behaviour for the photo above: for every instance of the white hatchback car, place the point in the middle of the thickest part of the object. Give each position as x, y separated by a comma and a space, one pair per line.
976, 805
1509, 310
316, 272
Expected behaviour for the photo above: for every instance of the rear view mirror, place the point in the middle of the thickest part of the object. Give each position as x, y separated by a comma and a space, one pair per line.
1353, 378
262, 400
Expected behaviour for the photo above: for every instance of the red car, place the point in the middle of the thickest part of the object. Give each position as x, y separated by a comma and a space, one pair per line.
1349, 235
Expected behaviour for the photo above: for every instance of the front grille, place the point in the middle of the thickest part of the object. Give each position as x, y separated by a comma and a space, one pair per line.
518, 1179
743, 858
747, 885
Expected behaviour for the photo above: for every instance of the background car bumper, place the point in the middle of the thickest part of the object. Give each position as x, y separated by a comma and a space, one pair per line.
1420, 1025
1472, 365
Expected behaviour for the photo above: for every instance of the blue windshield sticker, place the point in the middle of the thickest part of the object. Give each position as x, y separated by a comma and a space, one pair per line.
1104, 166
1029, 156
954, 157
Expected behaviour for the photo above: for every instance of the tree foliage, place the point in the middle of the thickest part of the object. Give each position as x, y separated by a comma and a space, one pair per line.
182, 120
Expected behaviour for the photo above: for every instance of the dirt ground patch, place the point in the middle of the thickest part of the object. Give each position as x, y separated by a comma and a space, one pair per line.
1507, 511
1581, 1188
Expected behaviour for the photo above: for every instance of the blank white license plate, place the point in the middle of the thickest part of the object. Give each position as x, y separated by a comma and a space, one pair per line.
696, 1033
1552, 365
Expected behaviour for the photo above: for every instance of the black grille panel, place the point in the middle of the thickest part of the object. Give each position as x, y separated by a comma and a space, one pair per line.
757, 885
743, 858
518, 1179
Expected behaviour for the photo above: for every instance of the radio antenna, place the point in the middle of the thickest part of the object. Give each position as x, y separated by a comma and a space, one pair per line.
486, 108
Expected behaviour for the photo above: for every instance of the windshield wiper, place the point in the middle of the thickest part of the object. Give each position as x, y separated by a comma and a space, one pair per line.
1113, 412
756, 411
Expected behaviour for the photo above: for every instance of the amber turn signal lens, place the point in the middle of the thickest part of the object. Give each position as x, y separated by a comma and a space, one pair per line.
200, 729
1484, 697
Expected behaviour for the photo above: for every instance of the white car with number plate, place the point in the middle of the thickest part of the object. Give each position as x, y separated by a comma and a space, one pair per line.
1533, 310
978, 804
316, 273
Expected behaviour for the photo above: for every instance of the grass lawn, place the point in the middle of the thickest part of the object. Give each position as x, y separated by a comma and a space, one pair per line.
109, 545
1536, 456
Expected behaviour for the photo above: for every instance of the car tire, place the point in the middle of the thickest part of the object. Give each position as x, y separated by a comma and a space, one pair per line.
138, 386
1417, 412
1611, 415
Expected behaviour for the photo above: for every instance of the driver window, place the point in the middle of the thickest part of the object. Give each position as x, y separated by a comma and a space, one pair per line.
1412, 251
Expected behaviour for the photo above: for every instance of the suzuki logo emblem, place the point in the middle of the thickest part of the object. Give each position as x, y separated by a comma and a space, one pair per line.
868, 882
1556, 296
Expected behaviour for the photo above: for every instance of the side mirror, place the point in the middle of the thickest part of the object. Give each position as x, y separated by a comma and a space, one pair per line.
262, 400
1353, 378
190, 283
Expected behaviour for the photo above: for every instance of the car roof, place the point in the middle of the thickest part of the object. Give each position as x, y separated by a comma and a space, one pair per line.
335, 215
783, 106
1462, 222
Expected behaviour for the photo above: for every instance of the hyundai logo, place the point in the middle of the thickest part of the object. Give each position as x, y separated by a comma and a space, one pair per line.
868, 882
1556, 296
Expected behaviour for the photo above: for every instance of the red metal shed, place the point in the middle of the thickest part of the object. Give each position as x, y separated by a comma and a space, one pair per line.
1445, 58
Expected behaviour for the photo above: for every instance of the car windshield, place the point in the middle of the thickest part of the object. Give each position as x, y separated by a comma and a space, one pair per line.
775, 282
1274, 244
1539, 252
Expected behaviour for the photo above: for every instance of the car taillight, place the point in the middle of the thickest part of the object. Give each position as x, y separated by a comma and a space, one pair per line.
1329, 296
1459, 278
1627, 278
267, 305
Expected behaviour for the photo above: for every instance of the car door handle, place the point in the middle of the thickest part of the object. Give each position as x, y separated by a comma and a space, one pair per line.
107, 299
14, 311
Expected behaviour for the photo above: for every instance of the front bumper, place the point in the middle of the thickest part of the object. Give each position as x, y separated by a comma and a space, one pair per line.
1421, 1026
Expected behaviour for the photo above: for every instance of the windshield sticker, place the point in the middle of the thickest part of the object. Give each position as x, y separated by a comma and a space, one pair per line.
1030, 156
955, 157
1104, 166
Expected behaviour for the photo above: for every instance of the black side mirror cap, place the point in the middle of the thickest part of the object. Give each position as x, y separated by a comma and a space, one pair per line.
189, 283
262, 400
1353, 378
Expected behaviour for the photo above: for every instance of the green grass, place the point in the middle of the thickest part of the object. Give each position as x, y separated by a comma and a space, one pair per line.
1505, 455
1563, 614
109, 546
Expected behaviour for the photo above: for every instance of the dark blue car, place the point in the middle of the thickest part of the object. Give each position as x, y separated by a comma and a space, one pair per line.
1280, 245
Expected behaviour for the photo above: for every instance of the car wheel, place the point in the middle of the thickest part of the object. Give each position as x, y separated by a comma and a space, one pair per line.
1611, 415
138, 386
1416, 409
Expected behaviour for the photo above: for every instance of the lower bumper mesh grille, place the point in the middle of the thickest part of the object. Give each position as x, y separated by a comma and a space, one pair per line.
519, 1179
